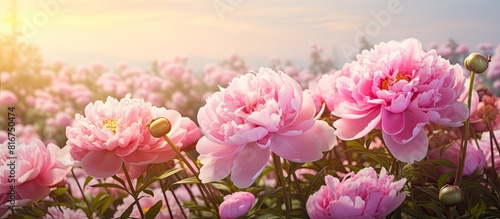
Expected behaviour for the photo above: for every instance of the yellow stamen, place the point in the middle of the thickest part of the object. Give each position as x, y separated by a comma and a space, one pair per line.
111, 125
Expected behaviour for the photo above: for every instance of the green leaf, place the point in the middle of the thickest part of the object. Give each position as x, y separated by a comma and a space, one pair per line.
120, 180
59, 191
153, 211
445, 177
149, 192
87, 180
168, 173
108, 185
313, 181
106, 203
293, 167
127, 212
190, 180
444, 162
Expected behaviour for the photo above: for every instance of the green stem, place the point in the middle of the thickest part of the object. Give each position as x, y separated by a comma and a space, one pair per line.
132, 190
281, 179
166, 200
83, 194
203, 187
465, 138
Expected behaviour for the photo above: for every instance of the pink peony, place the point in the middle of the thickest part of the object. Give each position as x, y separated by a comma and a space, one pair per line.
193, 133
7, 98
37, 169
361, 195
485, 147
256, 114
462, 49
398, 88
117, 132
474, 159
236, 205
147, 201
63, 212
325, 90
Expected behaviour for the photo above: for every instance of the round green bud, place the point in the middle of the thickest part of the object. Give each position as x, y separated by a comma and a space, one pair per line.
159, 127
450, 195
476, 62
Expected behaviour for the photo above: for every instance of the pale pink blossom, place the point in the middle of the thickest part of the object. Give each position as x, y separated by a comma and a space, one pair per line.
63, 119
4, 136
147, 201
37, 168
475, 158
485, 46
63, 212
361, 195
25, 133
7, 98
256, 114
462, 49
324, 92
485, 145
116, 131
444, 51
193, 133
236, 205
398, 88
488, 110
493, 70
214, 75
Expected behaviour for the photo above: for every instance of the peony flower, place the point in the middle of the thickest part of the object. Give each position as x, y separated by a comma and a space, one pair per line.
37, 169
474, 159
7, 98
485, 147
116, 132
63, 212
147, 201
236, 205
193, 133
361, 195
398, 88
256, 114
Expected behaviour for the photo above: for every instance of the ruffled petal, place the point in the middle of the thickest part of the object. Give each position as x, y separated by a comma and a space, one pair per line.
349, 129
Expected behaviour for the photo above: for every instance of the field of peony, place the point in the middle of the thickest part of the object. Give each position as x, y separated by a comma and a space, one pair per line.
402, 131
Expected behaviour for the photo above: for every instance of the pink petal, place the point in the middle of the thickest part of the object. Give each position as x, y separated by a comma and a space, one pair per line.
52, 177
326, 133
392, 123
248, 165
414, 150
307, 110
301, 148
215, 168
32, 190
453, 115
414, 122
349, 129
212, 149
101, 164
140, 158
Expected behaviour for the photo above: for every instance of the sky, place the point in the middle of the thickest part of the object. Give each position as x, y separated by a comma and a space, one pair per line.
82, 31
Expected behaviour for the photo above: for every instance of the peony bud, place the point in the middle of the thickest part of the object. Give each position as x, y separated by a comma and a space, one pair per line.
236, 205
476, 62
450, 195
159, 127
